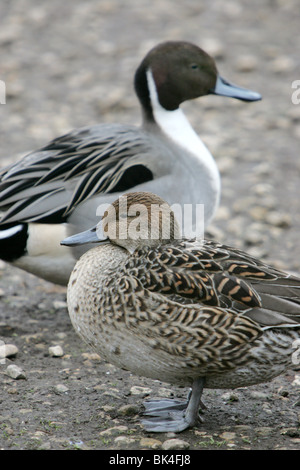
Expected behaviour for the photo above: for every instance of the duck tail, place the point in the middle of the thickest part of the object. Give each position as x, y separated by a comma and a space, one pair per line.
13, 241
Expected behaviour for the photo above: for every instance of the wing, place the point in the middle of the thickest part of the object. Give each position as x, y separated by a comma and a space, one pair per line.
48, 184
211, 338
217, 275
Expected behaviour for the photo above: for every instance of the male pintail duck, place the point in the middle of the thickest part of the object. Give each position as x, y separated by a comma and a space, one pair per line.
57, 190
182, 311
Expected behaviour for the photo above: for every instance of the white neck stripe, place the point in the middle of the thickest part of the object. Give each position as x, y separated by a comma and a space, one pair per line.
175, 124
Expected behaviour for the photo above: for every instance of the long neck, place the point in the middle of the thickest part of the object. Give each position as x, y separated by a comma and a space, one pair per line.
176, 126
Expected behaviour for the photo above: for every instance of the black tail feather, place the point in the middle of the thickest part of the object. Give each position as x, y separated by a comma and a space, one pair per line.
13, 241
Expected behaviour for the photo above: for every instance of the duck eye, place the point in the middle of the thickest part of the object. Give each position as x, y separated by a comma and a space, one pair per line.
194, 66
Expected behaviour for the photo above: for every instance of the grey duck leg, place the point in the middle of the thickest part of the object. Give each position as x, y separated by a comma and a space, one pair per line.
174, 415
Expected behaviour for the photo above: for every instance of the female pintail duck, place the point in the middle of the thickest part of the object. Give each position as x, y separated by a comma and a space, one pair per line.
182, 311
60, 189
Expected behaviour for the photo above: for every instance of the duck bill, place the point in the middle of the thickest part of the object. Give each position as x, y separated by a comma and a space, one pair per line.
83, 238
224, 88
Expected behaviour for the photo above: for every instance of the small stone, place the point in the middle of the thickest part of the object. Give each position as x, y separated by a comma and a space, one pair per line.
264, 430
282, 64
228, 436
258, 212
246, 63
58, 304
164, 392
230, 396
91, 356
61, 335
284, 393
291, 432
8, 350
56, 351
259, 395
136, 390
107, 408
223, 213
61, 388
214, 47
278, 220
243, 428
115, 430
175, 444
124, 440
128, 410
266, 407
257, 252
253, 237
15, 372
149, 442
296, 381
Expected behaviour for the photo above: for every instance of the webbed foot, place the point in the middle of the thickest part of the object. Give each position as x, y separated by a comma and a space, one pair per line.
174, 415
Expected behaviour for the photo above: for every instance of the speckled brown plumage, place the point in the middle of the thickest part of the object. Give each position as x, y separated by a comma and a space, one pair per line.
185, 310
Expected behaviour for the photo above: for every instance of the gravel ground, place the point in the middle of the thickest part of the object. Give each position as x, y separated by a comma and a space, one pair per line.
70, 64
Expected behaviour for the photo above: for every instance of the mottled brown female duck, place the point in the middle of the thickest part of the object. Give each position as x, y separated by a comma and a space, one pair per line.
187, 312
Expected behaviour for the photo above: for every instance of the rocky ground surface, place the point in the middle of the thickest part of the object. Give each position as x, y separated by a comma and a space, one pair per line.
70, 64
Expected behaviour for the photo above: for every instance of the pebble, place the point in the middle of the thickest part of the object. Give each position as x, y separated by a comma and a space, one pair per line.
253, 237
230, 396
58, 304
223, 213
291, 432
296, 381
282, 64
107, 408
278, 220
259, 395
61, 388
128, 410
61, 335
175, 444
264, 430
56, 351
228, 436
124, 440
114, 431
15, 372
246, 63
257, 252
91, 356
8, 350
258, 213
151, 443
214, 47
136, 390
